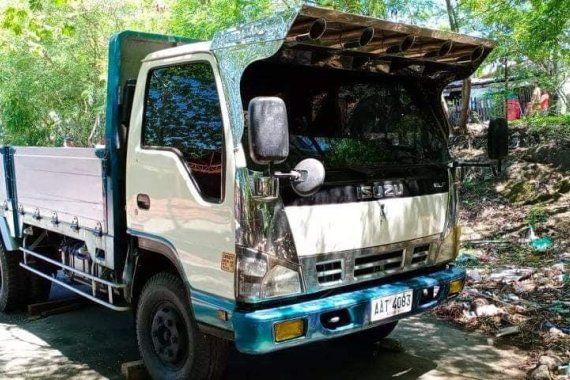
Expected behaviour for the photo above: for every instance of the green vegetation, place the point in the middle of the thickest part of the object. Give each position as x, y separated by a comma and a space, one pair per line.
53, 58
548, 127
537, 215
53, 52
532, 34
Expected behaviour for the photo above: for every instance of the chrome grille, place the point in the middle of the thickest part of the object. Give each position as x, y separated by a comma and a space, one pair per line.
353, 266
329, 272
367, 266
421, 253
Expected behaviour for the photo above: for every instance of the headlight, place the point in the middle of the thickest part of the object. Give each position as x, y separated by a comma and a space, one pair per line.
281, 281
261, 277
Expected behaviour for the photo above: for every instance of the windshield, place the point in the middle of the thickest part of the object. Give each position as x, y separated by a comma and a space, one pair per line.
351, 119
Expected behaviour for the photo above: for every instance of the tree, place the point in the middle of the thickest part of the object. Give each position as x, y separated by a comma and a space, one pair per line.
53, 57
200, 19
534, 35
466, 88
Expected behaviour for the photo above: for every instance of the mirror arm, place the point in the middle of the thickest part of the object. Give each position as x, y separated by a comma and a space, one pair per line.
497, 169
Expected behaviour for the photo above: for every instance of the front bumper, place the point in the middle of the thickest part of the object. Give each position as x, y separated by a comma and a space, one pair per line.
254, 329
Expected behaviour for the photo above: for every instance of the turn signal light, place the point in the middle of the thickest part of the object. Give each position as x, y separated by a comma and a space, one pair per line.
289, 330
455, 287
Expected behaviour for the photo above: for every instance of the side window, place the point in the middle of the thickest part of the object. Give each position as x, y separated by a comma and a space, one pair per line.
182, 113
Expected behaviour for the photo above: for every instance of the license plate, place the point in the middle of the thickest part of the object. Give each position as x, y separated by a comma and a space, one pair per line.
385, 307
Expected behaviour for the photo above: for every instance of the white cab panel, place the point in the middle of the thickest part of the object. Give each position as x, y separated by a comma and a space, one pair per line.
199, 230
338, 227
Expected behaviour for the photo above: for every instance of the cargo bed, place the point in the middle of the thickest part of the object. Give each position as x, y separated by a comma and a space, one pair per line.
57, 189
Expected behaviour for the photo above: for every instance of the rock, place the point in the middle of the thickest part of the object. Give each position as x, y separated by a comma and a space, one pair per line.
539, 373
552, 362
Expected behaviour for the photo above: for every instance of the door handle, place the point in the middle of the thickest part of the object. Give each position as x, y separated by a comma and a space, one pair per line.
143, 201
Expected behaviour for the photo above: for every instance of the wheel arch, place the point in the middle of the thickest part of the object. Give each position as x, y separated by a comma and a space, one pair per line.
154, 255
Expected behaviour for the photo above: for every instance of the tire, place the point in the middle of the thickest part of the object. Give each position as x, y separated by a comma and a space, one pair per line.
12, 281
375, 334
39, 289
170, 343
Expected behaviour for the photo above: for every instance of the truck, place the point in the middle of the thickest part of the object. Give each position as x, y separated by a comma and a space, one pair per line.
285, 183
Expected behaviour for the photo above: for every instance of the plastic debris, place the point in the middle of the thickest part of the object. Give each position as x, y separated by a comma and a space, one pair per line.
556, 330
511, 275
541, 245
508, 331
474, 275
485, 310
564, 370
466, 259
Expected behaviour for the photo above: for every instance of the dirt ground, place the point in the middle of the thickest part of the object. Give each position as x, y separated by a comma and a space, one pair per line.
93, 342
516, 248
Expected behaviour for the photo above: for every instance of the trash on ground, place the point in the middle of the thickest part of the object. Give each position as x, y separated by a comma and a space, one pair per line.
511, 275
542, 244
508, 331
466, 259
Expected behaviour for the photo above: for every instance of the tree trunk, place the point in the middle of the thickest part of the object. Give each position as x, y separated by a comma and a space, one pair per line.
466, 88
465, 98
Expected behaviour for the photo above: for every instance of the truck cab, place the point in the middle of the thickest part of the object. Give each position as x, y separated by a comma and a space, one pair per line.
285, 183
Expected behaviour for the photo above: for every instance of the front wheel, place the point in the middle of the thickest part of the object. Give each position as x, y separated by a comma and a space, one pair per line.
169, 341
12, 281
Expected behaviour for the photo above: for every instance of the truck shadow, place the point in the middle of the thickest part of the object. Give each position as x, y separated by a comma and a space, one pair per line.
336, 359
93, 342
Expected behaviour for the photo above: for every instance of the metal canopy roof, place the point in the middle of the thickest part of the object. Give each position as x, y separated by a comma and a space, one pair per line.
377, 44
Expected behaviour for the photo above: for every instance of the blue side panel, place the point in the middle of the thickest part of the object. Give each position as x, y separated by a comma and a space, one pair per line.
206, 308
254, 329
11, 218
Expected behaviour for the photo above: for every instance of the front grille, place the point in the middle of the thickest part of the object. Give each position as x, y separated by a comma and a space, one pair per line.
329, 272
421, 253
325, 271
365, 266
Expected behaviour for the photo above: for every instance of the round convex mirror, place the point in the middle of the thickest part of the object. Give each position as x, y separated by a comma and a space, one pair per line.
312, 177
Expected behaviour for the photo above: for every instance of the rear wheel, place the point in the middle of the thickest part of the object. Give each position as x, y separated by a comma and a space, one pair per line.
12, 281
39, 289
169, 341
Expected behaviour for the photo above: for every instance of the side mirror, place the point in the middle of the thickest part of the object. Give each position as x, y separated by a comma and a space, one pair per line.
268, 130
498, 139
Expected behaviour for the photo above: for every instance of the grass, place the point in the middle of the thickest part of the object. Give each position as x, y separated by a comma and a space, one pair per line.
547, 127
537, 216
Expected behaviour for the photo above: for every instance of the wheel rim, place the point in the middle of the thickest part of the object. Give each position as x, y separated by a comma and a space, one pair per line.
169, 335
